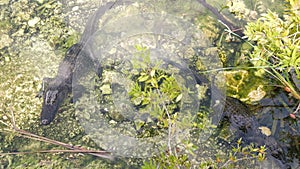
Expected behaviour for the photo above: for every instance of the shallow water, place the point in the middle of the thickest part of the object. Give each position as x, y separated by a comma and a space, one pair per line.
34, 37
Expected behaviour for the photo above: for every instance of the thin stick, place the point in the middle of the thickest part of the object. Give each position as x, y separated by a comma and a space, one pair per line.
53, 151
170, 126
297, 109
26, 134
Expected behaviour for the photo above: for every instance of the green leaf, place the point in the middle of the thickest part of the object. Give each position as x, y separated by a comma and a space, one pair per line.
143, 78
154, 83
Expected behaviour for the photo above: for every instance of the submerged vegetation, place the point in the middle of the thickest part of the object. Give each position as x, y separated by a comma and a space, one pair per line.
276, 44
270, 48
237, 154
154, 90
271, 43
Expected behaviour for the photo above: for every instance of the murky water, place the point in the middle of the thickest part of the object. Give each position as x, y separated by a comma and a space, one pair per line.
34, 38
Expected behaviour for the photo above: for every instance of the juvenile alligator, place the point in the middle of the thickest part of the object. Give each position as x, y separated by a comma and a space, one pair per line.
58, 88
246, 125
238, 114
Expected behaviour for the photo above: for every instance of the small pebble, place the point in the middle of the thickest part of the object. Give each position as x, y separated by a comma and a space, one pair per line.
75, 8
33, 21
5, 41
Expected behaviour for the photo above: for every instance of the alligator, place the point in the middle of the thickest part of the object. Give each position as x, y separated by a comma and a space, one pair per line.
244, 124
236, 112
58, 88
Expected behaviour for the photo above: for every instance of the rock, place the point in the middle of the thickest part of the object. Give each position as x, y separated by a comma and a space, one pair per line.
106, 89
75, 8
5, 41
33, 21
265, 130
257, 95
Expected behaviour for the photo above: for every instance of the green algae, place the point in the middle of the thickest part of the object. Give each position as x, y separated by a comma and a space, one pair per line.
22, 71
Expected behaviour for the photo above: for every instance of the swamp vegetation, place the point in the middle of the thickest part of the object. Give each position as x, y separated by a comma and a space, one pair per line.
261, 68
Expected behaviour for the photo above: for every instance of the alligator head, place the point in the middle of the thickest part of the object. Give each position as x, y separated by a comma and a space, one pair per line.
53, 98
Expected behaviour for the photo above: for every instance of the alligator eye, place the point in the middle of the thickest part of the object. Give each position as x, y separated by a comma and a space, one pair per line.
51, 96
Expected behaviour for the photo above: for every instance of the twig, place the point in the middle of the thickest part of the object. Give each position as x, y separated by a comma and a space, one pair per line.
26, 134
169, 124
230, 31
53, 151
297, 109
240, 159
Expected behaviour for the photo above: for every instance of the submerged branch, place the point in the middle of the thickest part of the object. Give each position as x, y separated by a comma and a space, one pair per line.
53, 151
73, 149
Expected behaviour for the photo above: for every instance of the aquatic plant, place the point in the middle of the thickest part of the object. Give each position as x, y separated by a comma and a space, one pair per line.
276, 45
239, 154
154, 90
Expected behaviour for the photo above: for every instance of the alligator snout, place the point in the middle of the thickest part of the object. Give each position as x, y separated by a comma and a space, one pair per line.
45, 121
53, 98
